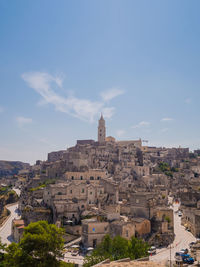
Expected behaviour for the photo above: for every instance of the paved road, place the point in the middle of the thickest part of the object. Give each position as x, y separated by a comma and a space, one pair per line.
182, 240
5, 230
73, 259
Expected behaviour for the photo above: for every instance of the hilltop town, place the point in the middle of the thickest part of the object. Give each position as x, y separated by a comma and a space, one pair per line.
111, 187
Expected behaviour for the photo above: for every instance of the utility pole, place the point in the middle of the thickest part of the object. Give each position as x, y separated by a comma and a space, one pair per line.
170, 256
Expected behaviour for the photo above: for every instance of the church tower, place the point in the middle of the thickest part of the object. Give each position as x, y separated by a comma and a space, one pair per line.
101, 130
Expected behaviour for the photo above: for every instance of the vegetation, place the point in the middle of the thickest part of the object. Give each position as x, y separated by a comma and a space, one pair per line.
41, 246
166, 169
43, 185
117, 248
167, 219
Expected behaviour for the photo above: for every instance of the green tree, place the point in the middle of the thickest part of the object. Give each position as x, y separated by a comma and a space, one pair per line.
137, 248
40, 246
105, 248
120, 248
117, 248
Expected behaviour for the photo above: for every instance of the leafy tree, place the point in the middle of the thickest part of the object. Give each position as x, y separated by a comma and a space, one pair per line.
40, 246
120, 248
117, 248
138, 248
105, 248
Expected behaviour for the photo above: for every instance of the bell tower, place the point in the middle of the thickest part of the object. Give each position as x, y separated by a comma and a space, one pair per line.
101, 130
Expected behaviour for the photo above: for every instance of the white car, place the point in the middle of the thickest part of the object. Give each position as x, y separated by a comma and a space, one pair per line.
75, 253
152, 250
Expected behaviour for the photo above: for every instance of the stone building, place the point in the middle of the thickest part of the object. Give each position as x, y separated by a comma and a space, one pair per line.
17, 229
122, 228
191, 220
142, 226
93, 231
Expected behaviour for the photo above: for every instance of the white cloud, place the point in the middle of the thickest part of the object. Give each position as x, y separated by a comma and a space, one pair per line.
167, 119
120, 133
141, 124
47, 87
188, 100
111, 93
23, 121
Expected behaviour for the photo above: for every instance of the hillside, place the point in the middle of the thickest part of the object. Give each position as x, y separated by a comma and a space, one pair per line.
8, 168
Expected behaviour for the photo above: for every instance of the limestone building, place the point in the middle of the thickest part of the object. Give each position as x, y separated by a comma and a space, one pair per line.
101, 130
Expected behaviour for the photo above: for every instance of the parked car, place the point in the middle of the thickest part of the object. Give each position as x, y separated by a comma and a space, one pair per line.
187, 259
183, 251
75, 253
152, 250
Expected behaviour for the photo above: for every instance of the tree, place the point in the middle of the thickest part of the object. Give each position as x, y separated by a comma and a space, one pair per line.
117, 248
40, 246
138, 248
120, 248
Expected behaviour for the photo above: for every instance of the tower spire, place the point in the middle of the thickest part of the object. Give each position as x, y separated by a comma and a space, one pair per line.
101, 130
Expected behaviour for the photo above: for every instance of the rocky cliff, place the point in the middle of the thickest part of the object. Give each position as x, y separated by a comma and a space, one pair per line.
8, 168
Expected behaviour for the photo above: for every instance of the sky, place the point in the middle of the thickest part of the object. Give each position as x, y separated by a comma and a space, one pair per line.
64, 62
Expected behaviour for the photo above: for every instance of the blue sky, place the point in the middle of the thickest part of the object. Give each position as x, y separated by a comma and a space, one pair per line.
64, 62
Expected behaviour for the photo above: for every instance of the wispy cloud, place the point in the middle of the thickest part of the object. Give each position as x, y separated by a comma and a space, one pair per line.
120, 132
167, 119
21, 121
188, 100
47, 86
111, 93
141, 124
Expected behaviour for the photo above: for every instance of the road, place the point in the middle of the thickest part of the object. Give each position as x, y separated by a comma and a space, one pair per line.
5, 230
182, 240
73, 259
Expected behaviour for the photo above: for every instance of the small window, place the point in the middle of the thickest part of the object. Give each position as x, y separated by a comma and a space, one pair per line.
82, 206
126, 233
137, 201
100, 191
71, 191
98, 178
83, 190
91, 193
81, 177
91, 178
72, 177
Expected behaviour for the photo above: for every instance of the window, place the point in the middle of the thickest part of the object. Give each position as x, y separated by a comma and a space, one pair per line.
91, 193
71, 191
72, 177
82, 206
137, 201
83, 190
91, 178
126, 233
100, 191
81, 177
98, 178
